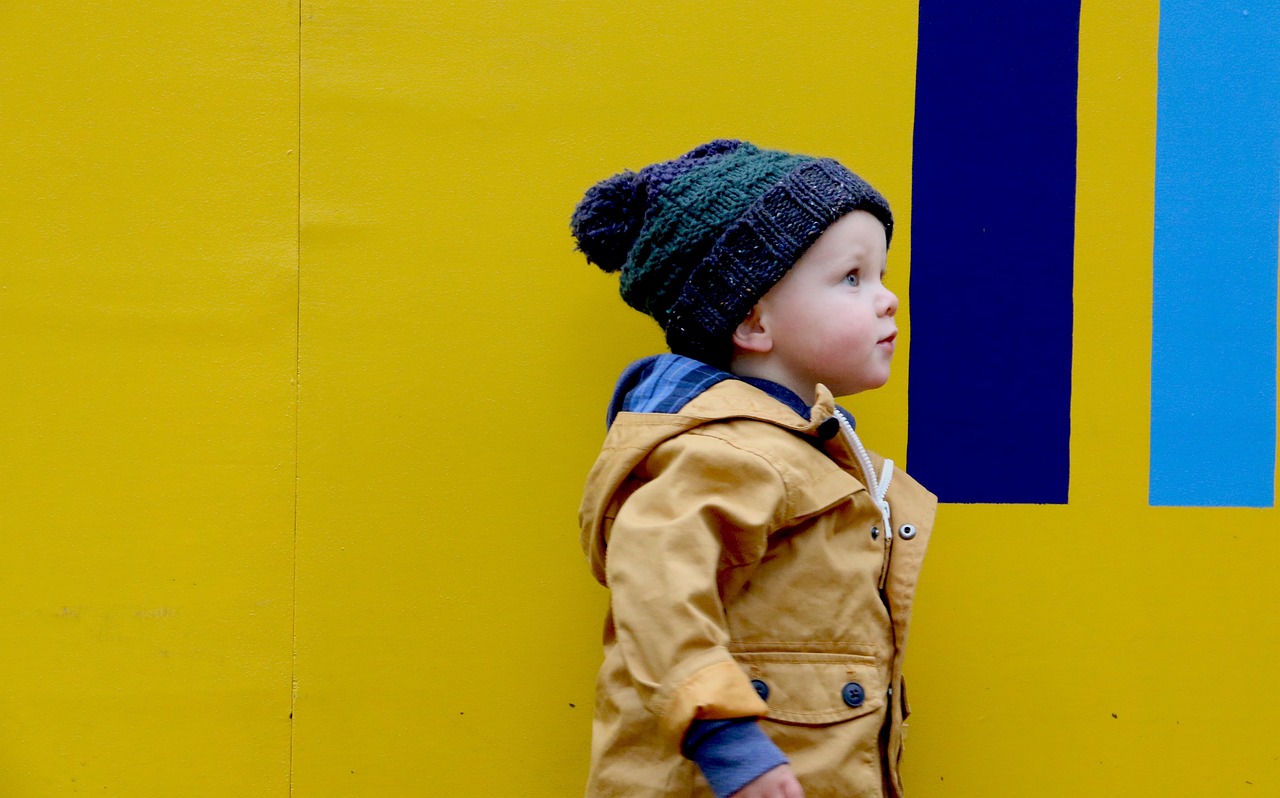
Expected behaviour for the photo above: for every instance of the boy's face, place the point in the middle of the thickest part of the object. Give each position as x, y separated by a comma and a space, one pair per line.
830, 318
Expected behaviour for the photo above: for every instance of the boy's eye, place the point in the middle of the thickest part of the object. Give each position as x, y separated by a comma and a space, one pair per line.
852, 278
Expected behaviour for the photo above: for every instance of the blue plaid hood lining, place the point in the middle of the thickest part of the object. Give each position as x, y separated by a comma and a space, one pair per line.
666, 383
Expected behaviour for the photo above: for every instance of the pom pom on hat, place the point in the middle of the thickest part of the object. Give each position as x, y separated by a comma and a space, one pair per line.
608, 220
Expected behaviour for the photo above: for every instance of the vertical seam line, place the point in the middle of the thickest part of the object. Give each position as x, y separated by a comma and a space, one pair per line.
297, 411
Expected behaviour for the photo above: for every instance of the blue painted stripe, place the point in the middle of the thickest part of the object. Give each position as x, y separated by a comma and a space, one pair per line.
1213, 348
992, 240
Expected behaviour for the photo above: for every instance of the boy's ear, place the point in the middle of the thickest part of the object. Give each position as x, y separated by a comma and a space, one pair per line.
751, 334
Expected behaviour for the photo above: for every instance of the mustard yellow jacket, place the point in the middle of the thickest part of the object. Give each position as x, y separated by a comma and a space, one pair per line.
744, 560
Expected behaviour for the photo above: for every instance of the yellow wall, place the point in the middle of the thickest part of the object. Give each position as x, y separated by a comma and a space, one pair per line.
301, 377
148, 307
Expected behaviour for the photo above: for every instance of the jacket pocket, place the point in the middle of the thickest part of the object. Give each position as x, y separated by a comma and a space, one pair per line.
812, 688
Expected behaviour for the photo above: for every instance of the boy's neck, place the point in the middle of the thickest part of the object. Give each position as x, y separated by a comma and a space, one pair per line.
760, 369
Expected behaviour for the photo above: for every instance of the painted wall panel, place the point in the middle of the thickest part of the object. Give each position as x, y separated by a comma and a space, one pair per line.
148, 195
457, 355
1217, 213
993, 198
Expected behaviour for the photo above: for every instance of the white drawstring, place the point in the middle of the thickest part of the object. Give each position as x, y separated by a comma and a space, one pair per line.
877, 487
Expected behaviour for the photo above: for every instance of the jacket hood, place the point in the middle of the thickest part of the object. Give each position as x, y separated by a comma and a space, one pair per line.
660, 397
661, 384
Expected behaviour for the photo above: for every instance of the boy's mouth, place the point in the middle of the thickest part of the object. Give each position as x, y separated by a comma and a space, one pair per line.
888, 339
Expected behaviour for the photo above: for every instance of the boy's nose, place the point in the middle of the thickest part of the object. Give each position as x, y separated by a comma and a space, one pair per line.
890, 303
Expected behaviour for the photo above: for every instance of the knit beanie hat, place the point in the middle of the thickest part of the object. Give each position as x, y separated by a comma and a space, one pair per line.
701, 238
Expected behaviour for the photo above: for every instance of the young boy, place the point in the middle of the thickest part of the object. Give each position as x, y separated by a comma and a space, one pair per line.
761, 562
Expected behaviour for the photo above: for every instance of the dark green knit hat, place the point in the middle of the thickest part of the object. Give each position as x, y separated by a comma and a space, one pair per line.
701, 238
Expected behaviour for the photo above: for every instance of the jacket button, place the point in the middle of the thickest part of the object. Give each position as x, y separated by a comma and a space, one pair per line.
906, 531
762, 689
853, 694
829, 428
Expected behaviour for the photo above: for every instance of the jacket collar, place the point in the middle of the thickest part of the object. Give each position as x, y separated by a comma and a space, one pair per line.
737, 399
684, 387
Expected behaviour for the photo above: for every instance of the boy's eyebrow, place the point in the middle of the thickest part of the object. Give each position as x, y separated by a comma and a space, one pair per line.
853, 258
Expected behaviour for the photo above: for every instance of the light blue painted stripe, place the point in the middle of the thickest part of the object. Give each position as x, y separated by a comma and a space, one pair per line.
1217, 216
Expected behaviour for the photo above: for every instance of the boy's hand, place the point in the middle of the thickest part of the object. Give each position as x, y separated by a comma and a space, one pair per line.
777, 783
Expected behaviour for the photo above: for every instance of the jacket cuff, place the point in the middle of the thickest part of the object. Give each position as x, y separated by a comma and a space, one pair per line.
717, 691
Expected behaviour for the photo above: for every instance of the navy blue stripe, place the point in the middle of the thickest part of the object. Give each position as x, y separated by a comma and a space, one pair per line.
993, 227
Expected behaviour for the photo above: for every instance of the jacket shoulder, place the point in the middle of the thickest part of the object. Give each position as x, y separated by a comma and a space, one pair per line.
812, 481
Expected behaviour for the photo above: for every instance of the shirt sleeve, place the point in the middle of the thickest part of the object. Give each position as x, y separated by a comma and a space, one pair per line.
703, 507
731, 753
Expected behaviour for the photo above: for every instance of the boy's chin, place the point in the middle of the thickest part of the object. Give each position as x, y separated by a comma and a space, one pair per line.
853, 388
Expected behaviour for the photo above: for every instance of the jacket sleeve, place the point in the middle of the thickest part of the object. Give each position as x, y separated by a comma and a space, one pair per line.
703, 508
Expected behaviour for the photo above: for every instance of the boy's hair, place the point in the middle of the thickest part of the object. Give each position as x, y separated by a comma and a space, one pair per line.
701, 238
